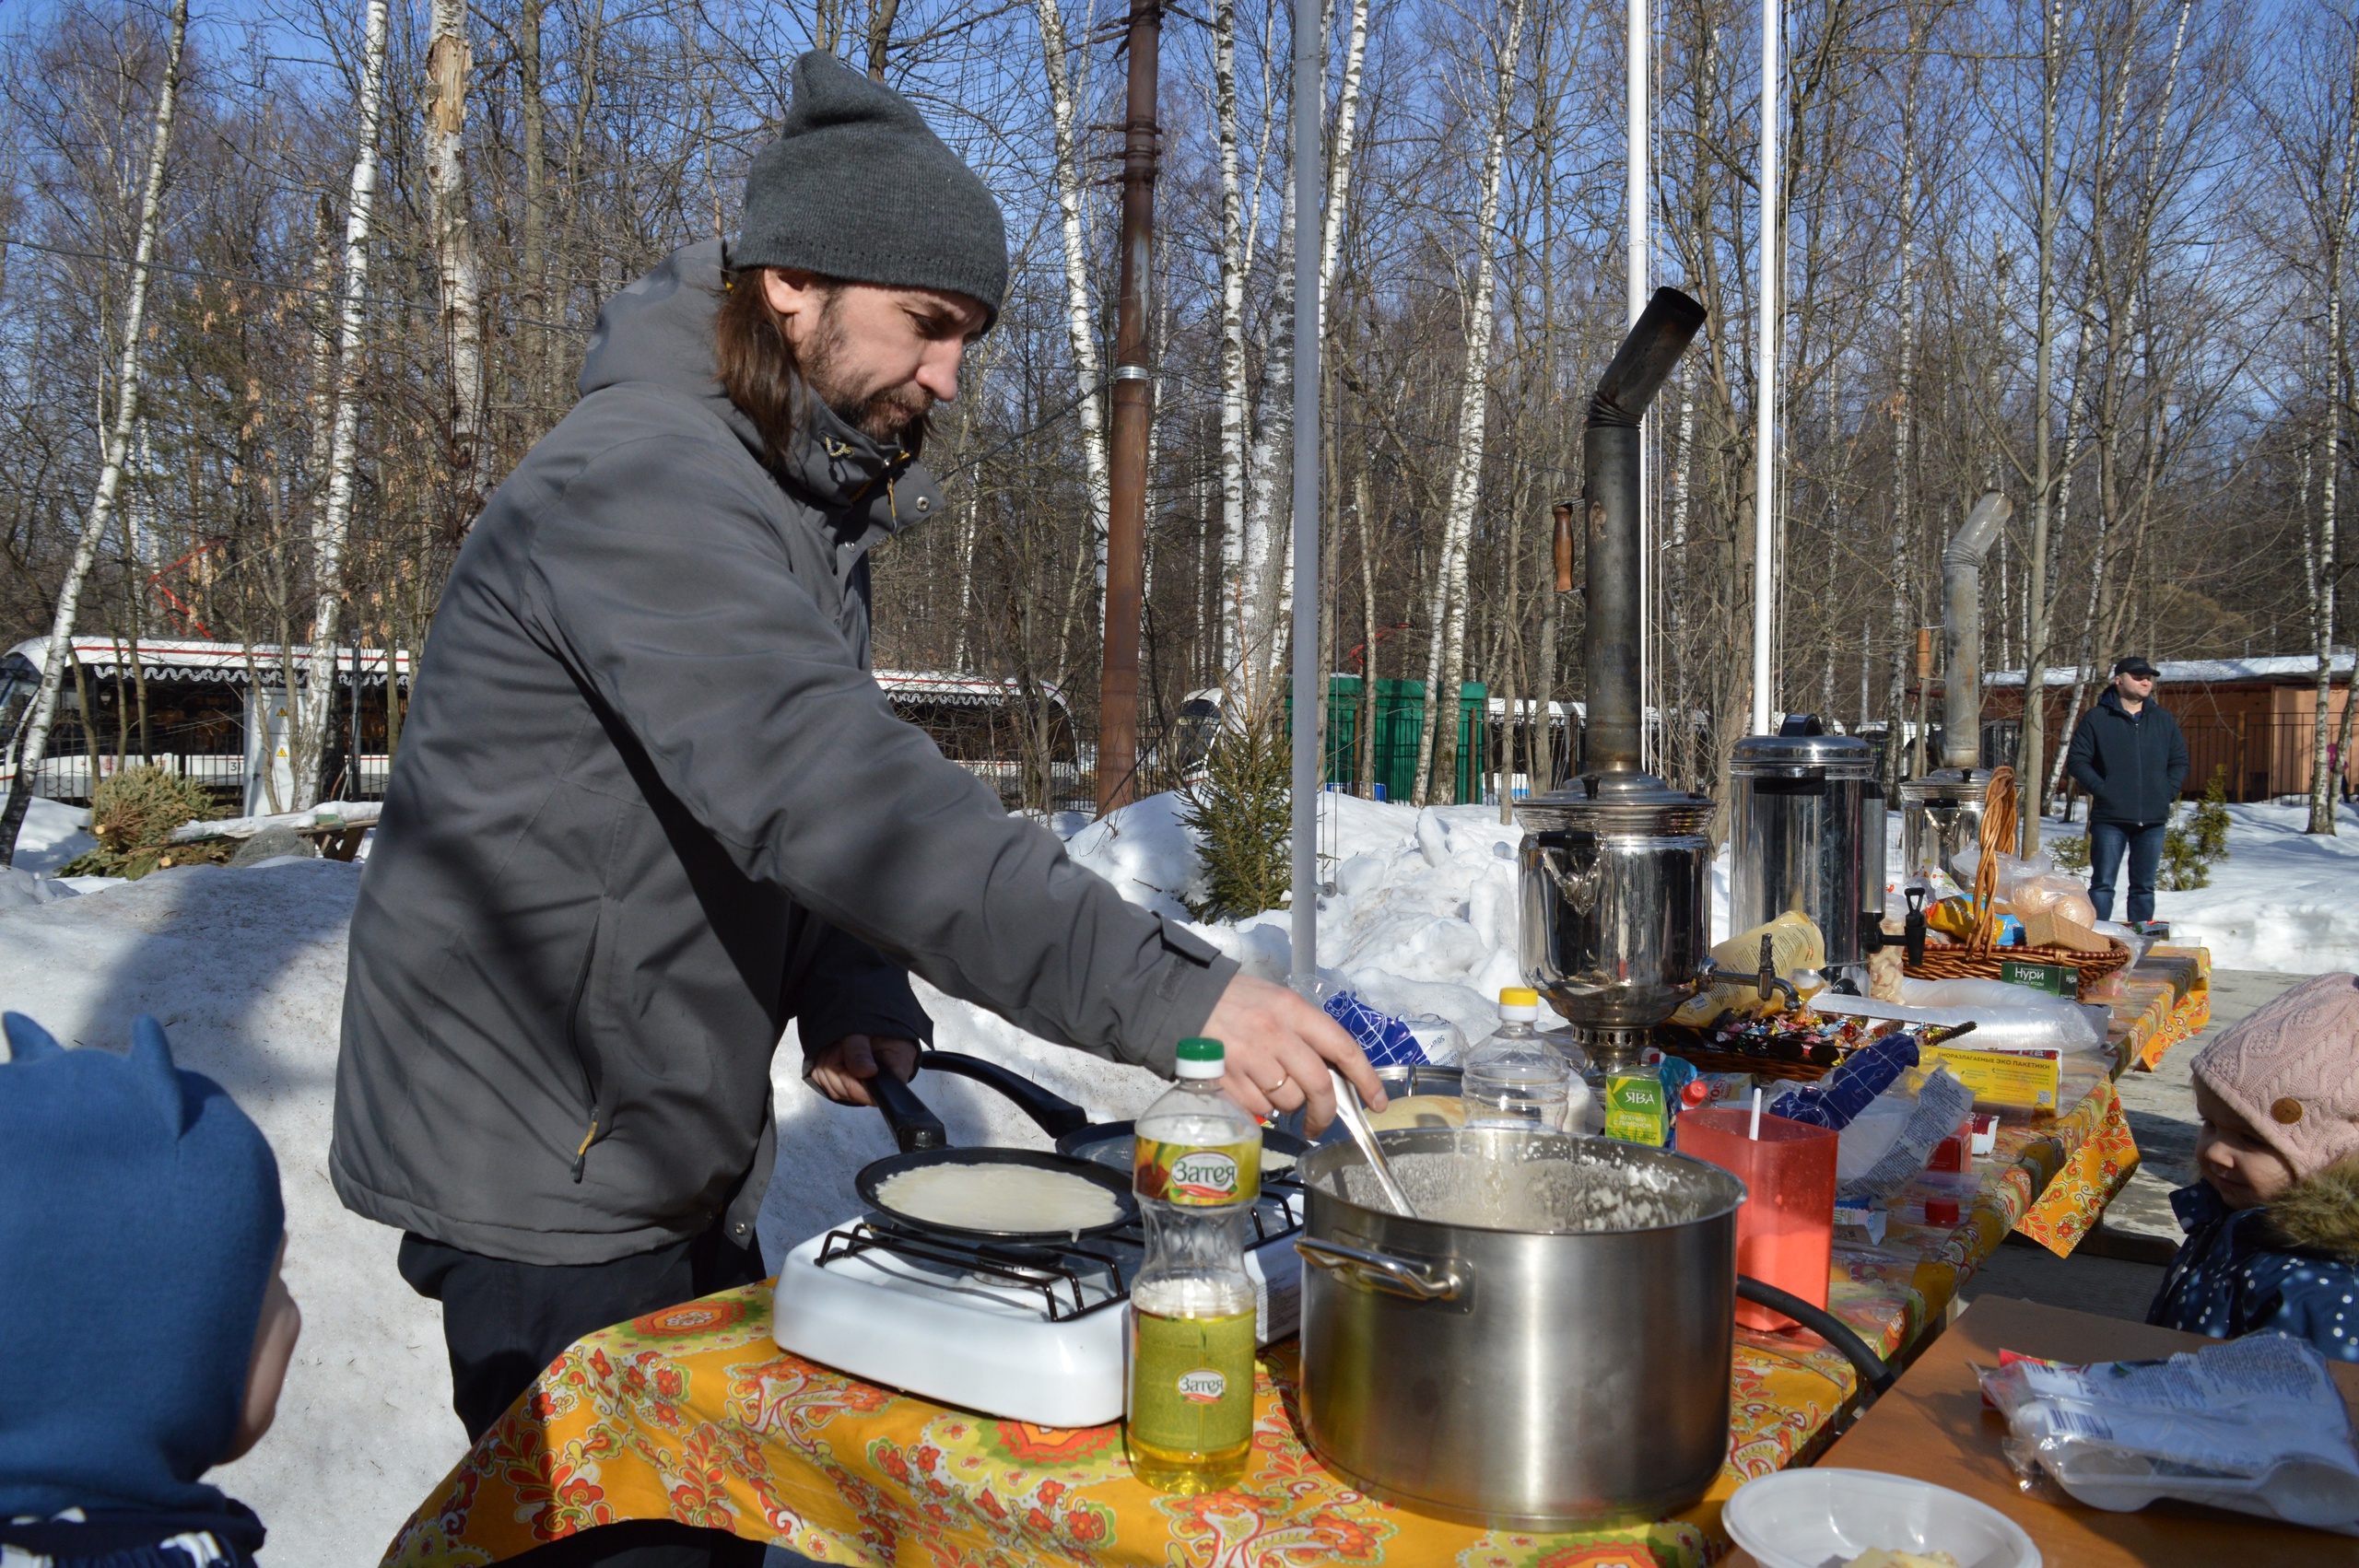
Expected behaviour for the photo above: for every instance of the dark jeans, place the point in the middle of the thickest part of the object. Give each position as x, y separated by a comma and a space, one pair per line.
505, 1322
2108, 842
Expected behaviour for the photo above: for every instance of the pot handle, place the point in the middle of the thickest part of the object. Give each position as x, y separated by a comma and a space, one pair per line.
1445, 1282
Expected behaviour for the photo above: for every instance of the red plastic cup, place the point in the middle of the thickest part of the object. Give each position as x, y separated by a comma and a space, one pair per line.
1784, 1232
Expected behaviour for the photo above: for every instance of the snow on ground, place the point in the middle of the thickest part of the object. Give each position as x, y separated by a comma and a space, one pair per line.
54, 834
246, 968
2284, 900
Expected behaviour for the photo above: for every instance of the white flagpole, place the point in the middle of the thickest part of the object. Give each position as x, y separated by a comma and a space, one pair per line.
1639, 59
1764, 388
1310, 104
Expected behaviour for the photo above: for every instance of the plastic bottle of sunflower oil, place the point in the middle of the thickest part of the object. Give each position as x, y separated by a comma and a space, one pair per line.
1516, 1078
1198, 1171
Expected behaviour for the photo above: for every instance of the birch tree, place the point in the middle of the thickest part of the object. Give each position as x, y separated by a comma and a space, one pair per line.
1234, 255
57, 652
334, 521
1068, 84
2030, 774
2335, 160
1338, 157
1269, 558
448, 61
1446, 655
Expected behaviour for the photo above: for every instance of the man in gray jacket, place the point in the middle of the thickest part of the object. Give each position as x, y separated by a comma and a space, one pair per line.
651, 805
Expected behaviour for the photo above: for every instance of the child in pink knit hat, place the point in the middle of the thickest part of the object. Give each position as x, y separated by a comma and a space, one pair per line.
2272, 1242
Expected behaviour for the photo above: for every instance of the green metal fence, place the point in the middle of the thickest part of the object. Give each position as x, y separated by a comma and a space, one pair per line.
1400, 724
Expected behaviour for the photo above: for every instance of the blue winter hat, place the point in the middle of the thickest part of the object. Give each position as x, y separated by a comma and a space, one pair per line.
139, 1219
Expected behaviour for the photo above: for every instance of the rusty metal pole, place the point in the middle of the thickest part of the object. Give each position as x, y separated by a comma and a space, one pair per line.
1118, 687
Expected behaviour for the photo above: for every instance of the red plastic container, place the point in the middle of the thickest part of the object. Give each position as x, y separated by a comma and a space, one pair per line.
1784, 1232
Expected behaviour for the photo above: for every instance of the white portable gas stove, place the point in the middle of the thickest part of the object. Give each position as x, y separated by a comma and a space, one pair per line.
1030, 1333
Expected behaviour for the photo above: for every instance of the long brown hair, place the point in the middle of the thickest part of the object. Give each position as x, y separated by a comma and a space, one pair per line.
759, 369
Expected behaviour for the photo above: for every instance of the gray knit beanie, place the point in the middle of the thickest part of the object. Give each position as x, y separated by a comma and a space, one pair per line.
858, 187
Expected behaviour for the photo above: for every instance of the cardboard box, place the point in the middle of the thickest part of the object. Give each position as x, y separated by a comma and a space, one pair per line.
2018, 1080
1860, 1224
2047, 930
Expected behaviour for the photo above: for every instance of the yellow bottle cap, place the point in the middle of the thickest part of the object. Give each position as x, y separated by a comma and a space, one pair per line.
1519, 996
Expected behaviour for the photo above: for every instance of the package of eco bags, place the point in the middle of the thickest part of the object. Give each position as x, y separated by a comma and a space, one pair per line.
2253, 1424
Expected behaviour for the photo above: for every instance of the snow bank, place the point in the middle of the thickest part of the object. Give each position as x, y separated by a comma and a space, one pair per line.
54, 834
246, 970
2284, 900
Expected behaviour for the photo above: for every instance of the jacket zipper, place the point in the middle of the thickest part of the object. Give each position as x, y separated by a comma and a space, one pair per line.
573, 1033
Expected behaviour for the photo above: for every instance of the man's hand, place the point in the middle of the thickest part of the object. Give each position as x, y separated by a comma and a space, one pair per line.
1279, 1048
839, 1071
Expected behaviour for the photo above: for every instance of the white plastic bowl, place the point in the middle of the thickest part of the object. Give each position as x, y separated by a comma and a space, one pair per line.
1823, 1519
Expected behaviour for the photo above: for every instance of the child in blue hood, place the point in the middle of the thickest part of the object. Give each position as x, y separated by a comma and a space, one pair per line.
2272, 1242
144, 1327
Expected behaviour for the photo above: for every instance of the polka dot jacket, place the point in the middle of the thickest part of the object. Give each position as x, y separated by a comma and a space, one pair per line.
2292, 1267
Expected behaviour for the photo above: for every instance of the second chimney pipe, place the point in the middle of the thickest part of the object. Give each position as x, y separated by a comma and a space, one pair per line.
1610, 474
1961, 630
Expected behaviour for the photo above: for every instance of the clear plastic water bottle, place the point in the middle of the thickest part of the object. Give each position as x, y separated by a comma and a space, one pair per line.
1515, 1078
1197, 1173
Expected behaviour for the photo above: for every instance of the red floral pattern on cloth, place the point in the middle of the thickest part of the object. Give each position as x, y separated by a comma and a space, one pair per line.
694, 1413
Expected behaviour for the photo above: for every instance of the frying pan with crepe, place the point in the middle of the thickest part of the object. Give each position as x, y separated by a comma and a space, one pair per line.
924, 1142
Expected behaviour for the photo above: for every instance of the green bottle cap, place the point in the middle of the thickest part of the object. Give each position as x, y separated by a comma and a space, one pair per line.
1196, 1047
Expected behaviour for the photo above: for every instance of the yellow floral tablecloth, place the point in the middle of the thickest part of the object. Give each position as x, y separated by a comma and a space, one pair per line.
695, 1414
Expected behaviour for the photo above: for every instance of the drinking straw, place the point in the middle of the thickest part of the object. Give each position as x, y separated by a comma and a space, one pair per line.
1755, 1131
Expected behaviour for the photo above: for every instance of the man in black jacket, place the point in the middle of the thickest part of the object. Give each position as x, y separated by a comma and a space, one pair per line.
2128, 754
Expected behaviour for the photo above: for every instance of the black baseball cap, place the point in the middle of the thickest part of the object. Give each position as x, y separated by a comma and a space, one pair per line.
2133, 665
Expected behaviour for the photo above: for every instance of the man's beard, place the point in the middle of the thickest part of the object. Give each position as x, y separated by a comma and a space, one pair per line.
897, 415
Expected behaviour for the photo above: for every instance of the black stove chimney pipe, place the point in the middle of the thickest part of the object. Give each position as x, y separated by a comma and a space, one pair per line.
1609, 483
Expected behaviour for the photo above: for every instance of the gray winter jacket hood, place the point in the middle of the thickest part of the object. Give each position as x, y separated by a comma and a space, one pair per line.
649, 805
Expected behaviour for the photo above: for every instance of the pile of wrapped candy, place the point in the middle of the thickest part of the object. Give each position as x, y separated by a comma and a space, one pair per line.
1804, 1037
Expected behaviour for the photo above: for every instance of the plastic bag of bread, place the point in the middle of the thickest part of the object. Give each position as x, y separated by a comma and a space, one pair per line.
2054, 893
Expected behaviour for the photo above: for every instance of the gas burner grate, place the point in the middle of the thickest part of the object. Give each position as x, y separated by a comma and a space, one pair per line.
1066, 1276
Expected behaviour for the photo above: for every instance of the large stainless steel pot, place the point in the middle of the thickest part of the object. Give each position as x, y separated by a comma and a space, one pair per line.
1519, 1379
1615, 898
1794, 818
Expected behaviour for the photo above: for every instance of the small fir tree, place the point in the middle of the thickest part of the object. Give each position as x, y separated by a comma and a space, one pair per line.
2190, 848
1238, 807
133, 814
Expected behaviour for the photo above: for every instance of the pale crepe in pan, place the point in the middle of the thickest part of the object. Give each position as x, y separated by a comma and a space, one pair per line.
1009, 1198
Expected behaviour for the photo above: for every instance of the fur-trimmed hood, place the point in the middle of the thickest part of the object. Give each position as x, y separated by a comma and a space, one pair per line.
2321, 1214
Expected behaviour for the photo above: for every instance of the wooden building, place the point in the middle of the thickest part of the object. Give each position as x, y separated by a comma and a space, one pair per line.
2251, 721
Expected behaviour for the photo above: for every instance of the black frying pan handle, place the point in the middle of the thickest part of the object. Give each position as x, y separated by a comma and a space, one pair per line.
913, 1123
1056, 1114
1875, 1376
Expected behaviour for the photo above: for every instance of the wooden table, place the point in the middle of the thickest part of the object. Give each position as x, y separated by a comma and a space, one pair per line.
1932, 1425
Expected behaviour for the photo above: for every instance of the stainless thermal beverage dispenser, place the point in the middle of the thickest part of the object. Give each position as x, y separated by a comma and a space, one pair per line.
1794, 819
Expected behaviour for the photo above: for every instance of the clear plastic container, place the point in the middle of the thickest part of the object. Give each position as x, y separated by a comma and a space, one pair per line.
1784, 1232
1198, 1171
1585, 1095
1516, 1078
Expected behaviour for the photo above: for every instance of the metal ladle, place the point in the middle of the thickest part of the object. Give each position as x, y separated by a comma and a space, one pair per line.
1354, 1117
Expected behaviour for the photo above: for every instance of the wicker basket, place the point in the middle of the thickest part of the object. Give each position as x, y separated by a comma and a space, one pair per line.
1965, 964
1979, 958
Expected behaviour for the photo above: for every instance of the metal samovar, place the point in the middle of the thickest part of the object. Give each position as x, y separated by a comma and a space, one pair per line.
1942, 813
1615, 867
